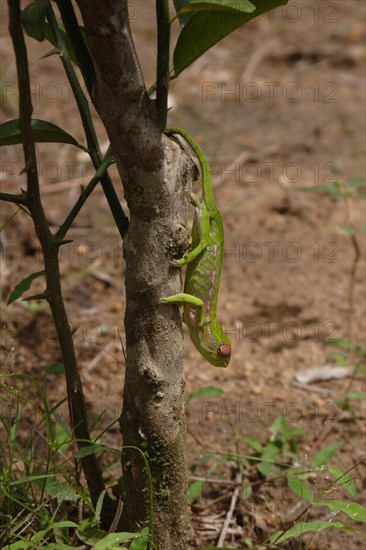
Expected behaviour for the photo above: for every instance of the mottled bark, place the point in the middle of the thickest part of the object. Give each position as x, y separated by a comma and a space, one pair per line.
157, 178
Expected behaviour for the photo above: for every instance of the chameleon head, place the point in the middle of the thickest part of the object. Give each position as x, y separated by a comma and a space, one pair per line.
215, 345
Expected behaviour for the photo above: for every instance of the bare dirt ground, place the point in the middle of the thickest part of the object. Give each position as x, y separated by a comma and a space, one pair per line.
276, 106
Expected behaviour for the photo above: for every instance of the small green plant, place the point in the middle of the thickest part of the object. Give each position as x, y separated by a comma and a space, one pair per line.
278, 463
353, 355
40, 489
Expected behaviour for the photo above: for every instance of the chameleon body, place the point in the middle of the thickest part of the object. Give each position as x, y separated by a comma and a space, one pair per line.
204, 262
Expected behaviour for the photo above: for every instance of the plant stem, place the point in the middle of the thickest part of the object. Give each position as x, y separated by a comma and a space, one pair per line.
50, 247
16, 199
162, 73
356, 258
73, 31
119, 216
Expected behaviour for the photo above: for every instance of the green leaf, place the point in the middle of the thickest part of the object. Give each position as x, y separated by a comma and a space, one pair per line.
254, 443
195, 490
361, 395
344, 480
23, 286
43, 132
269, 456
280, 430
362, 228
114, 540
67, 45
22, 544
140, 544
185, 16
343, 343
244, 6
98, 508
303, 527
351, 509
33, 19
57, 525
331, 188
56, 368
28, 479
205, 28
324, 456
246, 492
207, 391
343, 228
59, 546
41, 30
356, 182
300, 488
90, 535
59, 490
90, 449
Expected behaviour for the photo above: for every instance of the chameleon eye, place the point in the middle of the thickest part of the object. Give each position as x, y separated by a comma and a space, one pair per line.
224, 350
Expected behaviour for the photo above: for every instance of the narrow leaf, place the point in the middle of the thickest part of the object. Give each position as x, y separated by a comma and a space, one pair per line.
343, 343
28, 479
361, 395
99, 505
351, 509
356, 182
22, 544
324, 456
205, 28
303, 527
207, 391
246, 492
331, 188
195, 490
23, 286
57, 546
343, 229
90, 449
43, 132
344, 480
218, 5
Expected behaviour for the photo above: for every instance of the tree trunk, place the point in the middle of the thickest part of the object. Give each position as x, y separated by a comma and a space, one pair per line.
157, 178
153, 405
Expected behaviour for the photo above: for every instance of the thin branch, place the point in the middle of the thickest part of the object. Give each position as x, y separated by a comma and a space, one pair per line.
162, 73
119, 215
229, 515
356, 257
15, 199
49, 246
73, 31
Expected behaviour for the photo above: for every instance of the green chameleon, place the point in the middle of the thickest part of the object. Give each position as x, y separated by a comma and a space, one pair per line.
204, 261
